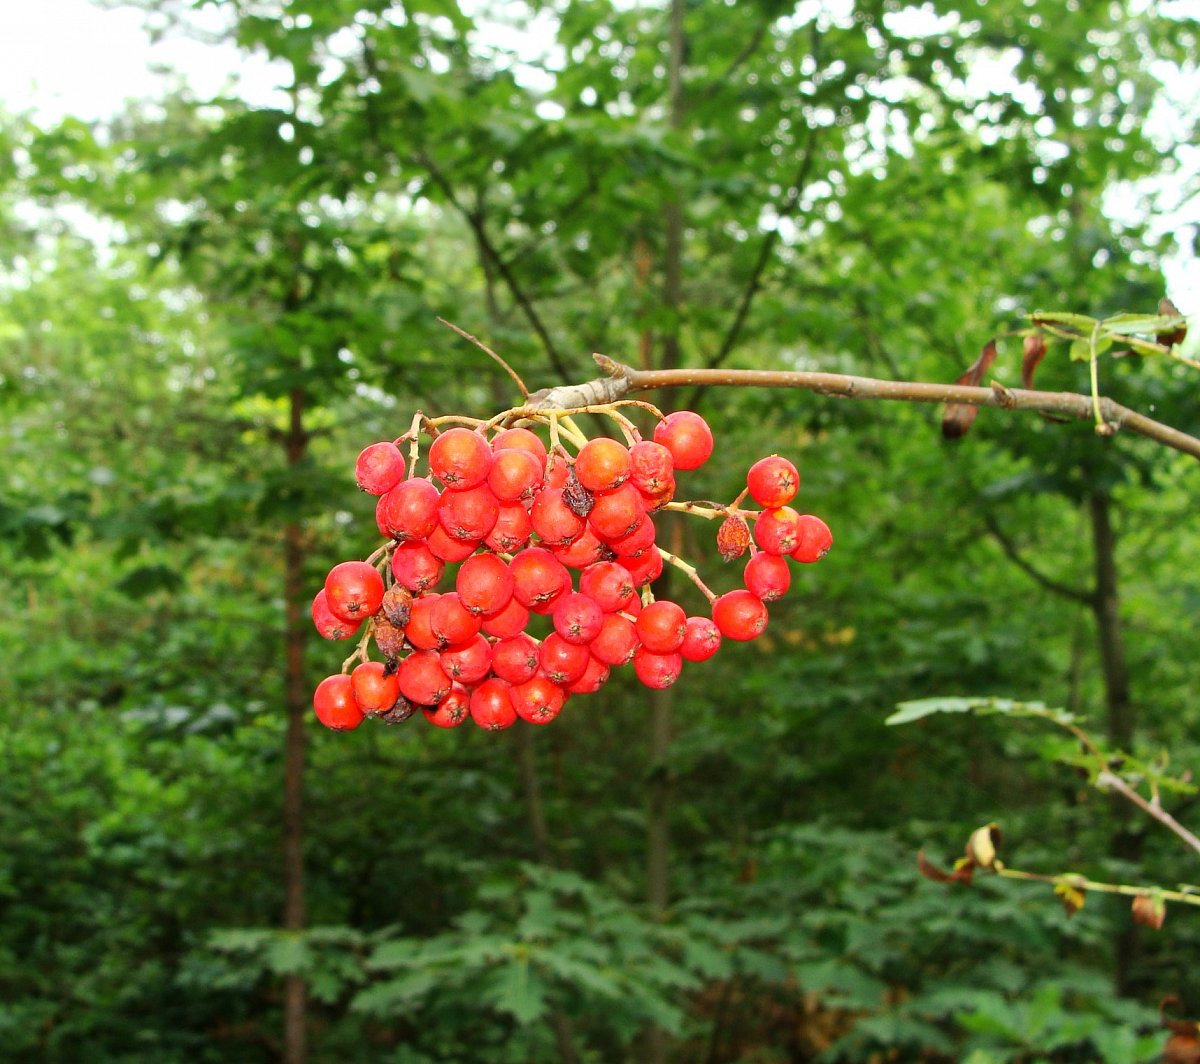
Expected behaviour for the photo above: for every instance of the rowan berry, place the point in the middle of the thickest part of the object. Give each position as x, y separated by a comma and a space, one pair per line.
460, 459
768, 576
584, 551
409, 510
594, 677
421, 678
452, 710
602, 464
334, 704
687, 436
814, 541
415, 566
652, 469
484, 584
577, 617
777, 531
512, 530
469, 662
661, 626
419, 630
616, 642
563, 662
609, 583
637, 542
328, 623
509, 621
553, 520
375, 688
740, 615
469, 514
353, 590
617, 513
451, 621
702, 639
521, 439
657, 670
516, 658
444, 546
538, 578
644, 569
491, 705
515, 475
773, 482
379, 468
538, 700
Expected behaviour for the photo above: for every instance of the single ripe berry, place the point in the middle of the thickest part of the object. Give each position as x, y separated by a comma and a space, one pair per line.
538, 578
512, 530
616, 642
452, 710
419, 630
409, 510
452, 622
739, 615
537, 700
563, 662
328, 623
516, 658
577, 617
617, 513
469, 514
379, 468
702, 639
778, 531
415, 566
652, 469
594, 677
515, 474
634, 545
334, 703
353, 590
602, 464
555, 523
469, 662
644, 569
375, 689
661, 626
582, 552
768, 576
521, 439
509, 621
814, 541
687, 436
773, 482
449, 549
657, 670
421, 678
491, 705
460, 459
609, 583
484, 584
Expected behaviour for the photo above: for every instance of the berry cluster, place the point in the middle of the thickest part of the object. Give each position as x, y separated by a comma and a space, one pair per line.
512, 519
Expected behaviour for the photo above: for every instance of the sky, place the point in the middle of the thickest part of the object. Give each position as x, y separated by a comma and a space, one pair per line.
70, 57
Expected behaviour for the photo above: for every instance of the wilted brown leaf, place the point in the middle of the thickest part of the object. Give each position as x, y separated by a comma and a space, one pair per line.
1149, 911
964, 869
1174, 336
1071, 896
1033, 353
959, 417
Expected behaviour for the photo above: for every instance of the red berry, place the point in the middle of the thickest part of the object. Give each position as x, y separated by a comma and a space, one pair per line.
538, 578
702, 639
768, 576
640, 540
814, 541
491, 705
577, 617
334, 703
469, 514
353, 590
469, 662
515, 475
452, 622
416, 567
617, 641
777, 531
773, 482
516, 658
460, 459
379, 468
644, 569
512, 529
421, 678
484, 584
687, 436
419, 630
409, 510
661, 626
553, 520
740, 615
521, 439
444, 546
452, 710
509, 621
328, 623
652, 469
538, 700
582, 552
557, 473
563, 662
375, 689
602, 464
657, 670
594, 677
609, 583
617, 513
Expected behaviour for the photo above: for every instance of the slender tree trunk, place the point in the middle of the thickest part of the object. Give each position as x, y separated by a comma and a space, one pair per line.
296, 699
1120, 716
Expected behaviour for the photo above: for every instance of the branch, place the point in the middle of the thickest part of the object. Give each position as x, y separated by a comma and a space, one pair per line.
625, 379
1110, 781
1018, 559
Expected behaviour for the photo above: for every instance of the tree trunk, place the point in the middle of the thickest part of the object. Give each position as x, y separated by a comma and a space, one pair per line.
296, 700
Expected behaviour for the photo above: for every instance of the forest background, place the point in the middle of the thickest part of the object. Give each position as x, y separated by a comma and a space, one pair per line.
208, 307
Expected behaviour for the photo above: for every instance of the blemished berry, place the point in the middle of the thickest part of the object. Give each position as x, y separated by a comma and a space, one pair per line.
421, 678
353, 590
415, 566
509, 621
702, 639
740, 615
379, 468
563, 662
515, 475
328, 623
375, 689
409, 510
814, 541
652, 469
773, 482
602, 464
577, 617
484, 584
397, 605
538, 700
460, 459
657, 670
516, 658
616, 642
687, 436
767, 576
389, 638
452, 710
491, 705
554, 522
469, 662
469, 514
334, 704
521, 439
733, 537
661, 626
778, 531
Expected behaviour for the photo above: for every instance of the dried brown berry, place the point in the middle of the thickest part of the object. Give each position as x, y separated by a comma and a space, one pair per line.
733, 537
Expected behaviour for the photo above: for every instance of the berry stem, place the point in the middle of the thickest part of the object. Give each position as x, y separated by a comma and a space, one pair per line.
360, 651
710, 513
685, 567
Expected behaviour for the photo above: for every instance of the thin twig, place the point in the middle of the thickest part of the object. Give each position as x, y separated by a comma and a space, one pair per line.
1069, 879
1111, 781
1029, 569
488, 351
